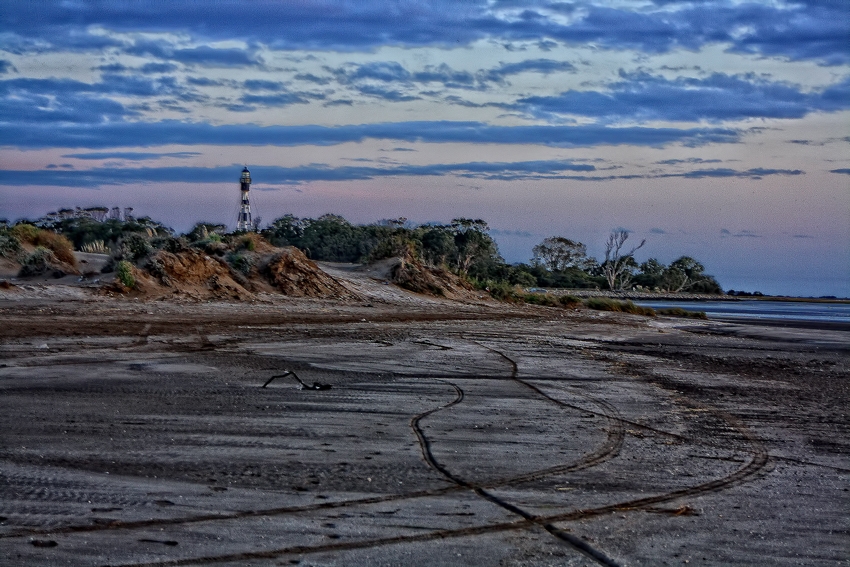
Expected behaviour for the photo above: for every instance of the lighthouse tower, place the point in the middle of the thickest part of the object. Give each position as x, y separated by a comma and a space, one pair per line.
244, 222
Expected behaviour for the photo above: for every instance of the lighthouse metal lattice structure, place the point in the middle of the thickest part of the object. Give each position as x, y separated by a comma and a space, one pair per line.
244, 222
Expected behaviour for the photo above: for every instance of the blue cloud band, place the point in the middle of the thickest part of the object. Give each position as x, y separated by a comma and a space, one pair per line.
543, 169
816, 30
147, 134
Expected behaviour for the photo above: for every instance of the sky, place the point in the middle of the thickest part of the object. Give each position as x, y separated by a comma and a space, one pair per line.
717, 129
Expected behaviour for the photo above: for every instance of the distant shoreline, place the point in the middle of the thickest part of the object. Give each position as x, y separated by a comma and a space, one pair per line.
670, 296
784, 323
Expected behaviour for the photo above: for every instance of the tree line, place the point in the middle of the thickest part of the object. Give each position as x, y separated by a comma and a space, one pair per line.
463, 246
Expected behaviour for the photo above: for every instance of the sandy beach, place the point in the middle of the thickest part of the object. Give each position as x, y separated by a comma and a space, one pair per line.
453, 433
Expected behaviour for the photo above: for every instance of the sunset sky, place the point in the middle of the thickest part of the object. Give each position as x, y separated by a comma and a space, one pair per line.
715, 129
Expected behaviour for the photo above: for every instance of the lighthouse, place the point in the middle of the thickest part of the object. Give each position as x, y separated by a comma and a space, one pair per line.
244, 221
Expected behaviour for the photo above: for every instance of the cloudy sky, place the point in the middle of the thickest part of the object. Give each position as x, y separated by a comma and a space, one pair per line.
716, 129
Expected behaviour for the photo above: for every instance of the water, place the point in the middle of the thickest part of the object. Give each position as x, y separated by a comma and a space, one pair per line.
763, 310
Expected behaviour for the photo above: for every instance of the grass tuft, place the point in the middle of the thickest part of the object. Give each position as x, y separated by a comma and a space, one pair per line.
607, 304
679, 312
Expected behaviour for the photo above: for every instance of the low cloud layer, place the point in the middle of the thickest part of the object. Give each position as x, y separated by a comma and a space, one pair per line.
102, 134
503, 171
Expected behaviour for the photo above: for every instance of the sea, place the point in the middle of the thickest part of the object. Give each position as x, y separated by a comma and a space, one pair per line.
770, 312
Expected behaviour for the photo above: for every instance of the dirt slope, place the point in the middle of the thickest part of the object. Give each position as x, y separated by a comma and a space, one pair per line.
194, 274
189, 273
292, 273
255, 270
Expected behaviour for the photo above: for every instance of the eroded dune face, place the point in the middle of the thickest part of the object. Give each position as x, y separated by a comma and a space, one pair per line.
292, 273
195, 274
200, 275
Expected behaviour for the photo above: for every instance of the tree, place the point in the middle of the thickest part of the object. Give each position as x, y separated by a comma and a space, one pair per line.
557, 253
618, 265
333, 239
285, 231
650, 274
400, 222
681, 273
438, 245
473, 243
592, 267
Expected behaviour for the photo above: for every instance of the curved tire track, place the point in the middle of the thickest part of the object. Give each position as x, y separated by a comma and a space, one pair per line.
757, 463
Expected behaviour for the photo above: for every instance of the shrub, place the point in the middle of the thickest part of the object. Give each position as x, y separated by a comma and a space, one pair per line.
61, 247
37, 263
56, 243
501, 291
541, 299
569, 301
136, 247
248, 242
25, 232
521, 278
156, 268
125, 274
395, 245
170, 244
10, 247
213, 247
241, 262
601, 304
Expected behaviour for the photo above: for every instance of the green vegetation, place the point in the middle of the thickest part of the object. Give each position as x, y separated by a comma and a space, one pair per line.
124, 273
679, 312
135, 247
24, 232
10, 247
241, 262
38, 262
463, 247
12, 241
248, 244
84, 226
683, 274
543, 299
606, 304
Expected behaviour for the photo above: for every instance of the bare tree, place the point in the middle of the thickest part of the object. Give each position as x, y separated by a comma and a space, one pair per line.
617, 263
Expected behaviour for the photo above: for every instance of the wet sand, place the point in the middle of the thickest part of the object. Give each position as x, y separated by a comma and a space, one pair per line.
139, 433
